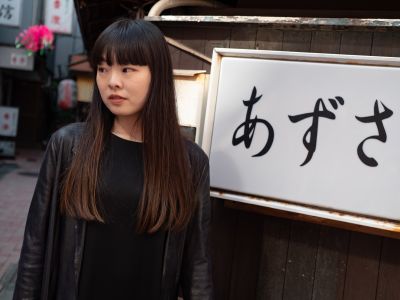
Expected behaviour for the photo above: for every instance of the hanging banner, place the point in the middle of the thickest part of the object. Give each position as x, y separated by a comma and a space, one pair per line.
10, 12
58, 15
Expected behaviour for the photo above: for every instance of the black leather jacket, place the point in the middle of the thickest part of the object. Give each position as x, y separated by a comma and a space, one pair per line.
51, 254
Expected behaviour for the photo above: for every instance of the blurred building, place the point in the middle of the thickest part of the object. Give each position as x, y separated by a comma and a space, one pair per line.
30, 82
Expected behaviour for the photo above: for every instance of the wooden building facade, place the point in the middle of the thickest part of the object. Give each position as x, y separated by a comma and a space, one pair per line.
260, 253
257, 256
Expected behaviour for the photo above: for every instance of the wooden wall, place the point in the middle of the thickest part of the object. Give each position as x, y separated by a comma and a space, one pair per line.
262, 257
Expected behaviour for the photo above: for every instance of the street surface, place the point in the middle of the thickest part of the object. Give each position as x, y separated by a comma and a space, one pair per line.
17, 182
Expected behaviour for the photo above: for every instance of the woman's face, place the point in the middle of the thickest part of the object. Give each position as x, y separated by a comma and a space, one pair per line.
123, 88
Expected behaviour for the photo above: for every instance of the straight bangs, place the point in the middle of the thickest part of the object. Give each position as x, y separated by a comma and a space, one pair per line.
121, 44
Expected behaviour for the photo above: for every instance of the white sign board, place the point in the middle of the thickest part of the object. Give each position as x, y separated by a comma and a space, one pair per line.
13, 58
19, 60
8, 121
10, 12
58, 15
316, 130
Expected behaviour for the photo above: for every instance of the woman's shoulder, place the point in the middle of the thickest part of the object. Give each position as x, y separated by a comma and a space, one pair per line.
70, 130
67, 135
197, 156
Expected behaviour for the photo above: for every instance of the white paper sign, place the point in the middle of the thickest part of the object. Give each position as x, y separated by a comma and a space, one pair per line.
10, 12
18, 59
8, 121
12, 58
58, 15
323, 134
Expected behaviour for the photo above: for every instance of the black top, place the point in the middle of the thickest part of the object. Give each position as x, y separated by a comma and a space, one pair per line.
117, 262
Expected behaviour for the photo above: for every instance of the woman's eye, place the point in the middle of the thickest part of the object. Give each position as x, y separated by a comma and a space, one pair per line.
100, 69
125, 70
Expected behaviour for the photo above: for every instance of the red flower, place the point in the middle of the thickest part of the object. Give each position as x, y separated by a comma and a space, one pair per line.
35, 38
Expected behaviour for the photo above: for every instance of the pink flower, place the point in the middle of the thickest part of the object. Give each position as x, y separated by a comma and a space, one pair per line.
35, 38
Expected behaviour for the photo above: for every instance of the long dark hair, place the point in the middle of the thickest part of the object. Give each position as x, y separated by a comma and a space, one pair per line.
167, 200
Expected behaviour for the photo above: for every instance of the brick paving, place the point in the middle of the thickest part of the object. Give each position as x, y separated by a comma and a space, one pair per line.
17, 182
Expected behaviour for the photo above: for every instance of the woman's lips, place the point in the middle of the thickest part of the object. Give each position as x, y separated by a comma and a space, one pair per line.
114, 99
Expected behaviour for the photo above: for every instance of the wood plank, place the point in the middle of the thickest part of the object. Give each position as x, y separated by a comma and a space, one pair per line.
243, 37
396, 44
294, 40
300, 267
382, 44
223, 234
354, 42
172, 32
193, 37
310, 219
389, 271
362, 267
386, 44
330, 270
246, 258
275, 242
269, 39
217, 37
175, 56
325, 42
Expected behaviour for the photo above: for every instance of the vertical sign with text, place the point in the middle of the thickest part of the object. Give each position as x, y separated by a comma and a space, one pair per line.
58, 15
10, 12
8, 121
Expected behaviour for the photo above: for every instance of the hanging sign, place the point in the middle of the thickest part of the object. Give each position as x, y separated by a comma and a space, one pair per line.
13, 58
305, 129
8, 121
10, 12
58, 15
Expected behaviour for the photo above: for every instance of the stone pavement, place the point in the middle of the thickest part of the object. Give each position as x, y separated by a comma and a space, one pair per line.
17, 182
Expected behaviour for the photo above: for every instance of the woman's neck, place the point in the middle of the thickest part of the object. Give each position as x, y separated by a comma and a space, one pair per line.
127, 129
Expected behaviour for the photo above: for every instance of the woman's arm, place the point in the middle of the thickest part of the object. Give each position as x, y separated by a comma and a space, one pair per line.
30, 269
196, 278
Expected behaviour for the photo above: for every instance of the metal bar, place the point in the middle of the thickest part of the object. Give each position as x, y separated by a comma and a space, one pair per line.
292, 22
310, 211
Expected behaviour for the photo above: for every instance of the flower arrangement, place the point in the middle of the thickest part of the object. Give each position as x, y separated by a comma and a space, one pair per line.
35, 38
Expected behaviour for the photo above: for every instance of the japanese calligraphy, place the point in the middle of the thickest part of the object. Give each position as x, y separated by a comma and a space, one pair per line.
310, 137
246, 130
5, 11
377, 118
248, 127
55, 19
57, 4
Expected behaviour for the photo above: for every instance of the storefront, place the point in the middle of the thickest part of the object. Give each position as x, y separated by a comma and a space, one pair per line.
266, 253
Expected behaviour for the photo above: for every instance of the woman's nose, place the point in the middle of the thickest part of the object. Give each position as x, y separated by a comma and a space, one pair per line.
114, 81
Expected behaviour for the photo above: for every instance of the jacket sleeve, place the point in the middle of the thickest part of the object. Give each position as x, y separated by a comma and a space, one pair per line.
31, 263
196, 279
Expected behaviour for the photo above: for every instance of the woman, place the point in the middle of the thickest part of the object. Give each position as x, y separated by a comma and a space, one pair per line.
121, 208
